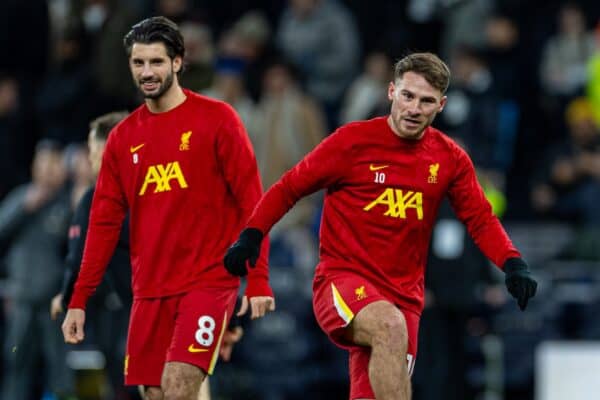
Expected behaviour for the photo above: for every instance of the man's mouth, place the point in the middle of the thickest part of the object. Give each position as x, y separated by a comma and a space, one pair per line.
412, 122
150, 85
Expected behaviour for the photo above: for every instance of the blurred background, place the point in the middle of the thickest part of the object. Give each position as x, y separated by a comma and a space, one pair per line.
524, 100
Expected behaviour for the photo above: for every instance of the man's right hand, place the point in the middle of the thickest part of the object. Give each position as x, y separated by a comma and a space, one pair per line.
245, 250
56, 306
72, 326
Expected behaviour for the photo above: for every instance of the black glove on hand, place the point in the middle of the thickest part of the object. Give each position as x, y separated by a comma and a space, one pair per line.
518, 281
246, 248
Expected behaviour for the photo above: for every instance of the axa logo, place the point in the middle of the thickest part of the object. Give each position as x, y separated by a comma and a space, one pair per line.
433, 172
398, 202
161, 176
185, 141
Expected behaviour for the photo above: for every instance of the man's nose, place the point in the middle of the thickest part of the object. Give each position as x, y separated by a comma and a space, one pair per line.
147, 71
414, 107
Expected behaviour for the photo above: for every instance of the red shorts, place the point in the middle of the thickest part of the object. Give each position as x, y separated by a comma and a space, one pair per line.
186, 328
336, 300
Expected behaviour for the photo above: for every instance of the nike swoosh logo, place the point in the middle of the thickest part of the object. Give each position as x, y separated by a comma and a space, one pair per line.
133, 149
193, 349
377, 168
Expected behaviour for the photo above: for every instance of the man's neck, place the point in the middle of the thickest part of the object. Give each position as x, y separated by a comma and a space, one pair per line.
168, 101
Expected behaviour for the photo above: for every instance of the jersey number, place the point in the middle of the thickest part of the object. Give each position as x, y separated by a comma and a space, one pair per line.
205, 333
380, 177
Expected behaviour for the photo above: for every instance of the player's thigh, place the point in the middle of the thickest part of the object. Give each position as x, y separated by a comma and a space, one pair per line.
202, 318
150, 331
338, 299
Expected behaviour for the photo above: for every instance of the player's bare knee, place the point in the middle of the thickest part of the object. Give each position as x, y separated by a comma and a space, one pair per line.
392, 332
181, 390
380, 324
181, 381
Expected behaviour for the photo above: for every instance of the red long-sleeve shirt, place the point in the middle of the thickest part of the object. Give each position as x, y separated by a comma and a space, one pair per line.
189, 180
383, 193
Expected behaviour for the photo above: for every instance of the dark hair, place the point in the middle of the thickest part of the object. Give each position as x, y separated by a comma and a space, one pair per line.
428, 65
49, 144
156, 29
105, 123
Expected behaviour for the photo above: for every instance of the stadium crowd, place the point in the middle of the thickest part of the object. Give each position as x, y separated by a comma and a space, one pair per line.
524, 101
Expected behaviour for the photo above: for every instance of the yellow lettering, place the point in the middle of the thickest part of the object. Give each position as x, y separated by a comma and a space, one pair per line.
398, 202
175, 173
151, 177
161, 176
410, 200
387, 197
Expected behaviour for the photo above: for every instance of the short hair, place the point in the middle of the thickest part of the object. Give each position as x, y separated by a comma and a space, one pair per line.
153, 30
49, 144
428, 65
105, 123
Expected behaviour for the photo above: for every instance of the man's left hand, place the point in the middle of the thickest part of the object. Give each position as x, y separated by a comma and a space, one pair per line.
519, 282
259, 306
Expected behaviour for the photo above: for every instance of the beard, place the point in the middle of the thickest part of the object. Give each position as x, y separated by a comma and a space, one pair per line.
162, 86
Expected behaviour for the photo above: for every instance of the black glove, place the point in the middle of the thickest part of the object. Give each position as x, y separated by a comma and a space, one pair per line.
246, 248
235, 319
518, 281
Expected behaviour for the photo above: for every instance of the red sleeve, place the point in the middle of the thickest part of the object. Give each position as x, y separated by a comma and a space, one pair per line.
106, 217
474, 210
322, 168
238, 163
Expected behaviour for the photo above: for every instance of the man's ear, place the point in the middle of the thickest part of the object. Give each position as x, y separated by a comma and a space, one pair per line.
391, 89
177, 64
443, 103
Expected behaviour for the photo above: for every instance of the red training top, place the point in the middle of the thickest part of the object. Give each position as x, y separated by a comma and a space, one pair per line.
190, 180
383, 193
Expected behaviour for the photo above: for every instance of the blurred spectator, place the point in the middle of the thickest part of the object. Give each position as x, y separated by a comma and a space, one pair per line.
475, 114
12, 157
80, 173
368, 92
66, 100
320, 37
228, 86
106, 22
33, 224
563, 67
289, 125
502, 50
199, 55
465, 23
568, 177
252, 35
